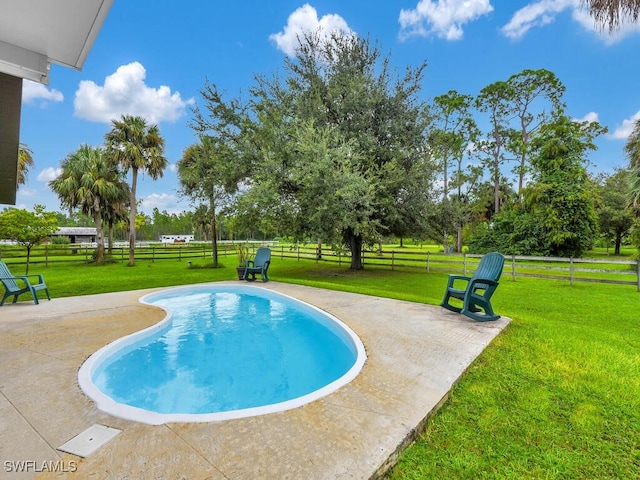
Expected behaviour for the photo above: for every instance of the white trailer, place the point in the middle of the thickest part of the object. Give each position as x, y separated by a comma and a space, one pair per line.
176, 238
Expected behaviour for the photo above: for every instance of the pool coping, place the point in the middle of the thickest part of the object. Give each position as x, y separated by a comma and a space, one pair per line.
416, 353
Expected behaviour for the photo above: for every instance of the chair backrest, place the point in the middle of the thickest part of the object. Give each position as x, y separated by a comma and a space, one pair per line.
8, 281
263, 255
490, 267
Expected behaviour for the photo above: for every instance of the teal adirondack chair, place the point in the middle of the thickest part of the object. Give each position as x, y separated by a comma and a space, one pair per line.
259, 265
17, 285
476, 295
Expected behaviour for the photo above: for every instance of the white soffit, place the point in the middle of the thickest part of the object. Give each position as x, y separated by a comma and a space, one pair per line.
34, 33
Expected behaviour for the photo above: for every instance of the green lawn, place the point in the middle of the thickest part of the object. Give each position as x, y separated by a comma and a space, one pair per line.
556, 395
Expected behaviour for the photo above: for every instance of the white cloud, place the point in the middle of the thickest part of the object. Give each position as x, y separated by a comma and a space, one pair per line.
443, 18
305, 20
589, 117
49, 174
125, 92
623, 131
161, 201
36, 93
582, 16
535, 14
27, 192
544, 12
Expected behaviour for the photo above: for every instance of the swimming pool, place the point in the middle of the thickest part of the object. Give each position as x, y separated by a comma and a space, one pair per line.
222, 351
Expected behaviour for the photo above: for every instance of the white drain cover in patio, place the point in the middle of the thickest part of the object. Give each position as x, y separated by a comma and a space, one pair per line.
87, 442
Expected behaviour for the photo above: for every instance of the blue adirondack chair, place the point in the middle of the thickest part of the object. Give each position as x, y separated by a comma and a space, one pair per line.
476, 294
259, 265
17, 285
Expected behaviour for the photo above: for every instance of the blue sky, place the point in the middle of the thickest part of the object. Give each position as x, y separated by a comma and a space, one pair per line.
152, 58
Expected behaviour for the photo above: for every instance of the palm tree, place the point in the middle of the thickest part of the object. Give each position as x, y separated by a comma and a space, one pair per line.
632, 151
632, 148
609, 13
134, 145
202, 220
25, 160
89, 182
114, 214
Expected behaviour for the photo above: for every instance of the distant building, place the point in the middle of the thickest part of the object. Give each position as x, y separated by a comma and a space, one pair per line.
77, 234
176, 238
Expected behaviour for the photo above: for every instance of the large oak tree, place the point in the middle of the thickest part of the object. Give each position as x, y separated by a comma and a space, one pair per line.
335, 146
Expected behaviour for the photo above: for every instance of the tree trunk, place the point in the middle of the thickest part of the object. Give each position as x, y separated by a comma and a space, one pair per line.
496, 186
523, 160
97, 218
355, 245
445, 189
110, 238
214, 235
618, 243
132, 218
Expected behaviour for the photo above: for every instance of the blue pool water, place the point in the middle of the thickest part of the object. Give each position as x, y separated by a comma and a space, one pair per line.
227, 349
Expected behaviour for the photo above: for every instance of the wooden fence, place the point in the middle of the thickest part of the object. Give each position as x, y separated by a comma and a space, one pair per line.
621, 272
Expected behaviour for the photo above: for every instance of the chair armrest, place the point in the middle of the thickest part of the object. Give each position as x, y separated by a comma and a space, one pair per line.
483, 281
24, 278
38, 275
453, 278
248, 264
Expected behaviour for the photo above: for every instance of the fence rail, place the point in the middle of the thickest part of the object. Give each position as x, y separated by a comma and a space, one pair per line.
620, 272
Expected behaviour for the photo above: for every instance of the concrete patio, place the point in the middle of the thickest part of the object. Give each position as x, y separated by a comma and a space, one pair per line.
416, 353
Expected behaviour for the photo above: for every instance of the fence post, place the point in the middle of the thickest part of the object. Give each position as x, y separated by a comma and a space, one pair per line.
204, 251
180, 253
153, 253
46, 256
513, 267
298, 252
464, 262
428, 253
393, 259
571, 271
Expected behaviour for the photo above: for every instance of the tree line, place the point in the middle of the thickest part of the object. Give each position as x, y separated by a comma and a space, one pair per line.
339, 146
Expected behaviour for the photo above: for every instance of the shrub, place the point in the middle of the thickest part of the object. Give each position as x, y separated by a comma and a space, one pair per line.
60, 240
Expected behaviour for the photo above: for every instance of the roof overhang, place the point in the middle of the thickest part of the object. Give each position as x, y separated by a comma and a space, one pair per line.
36, 33
33, 34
